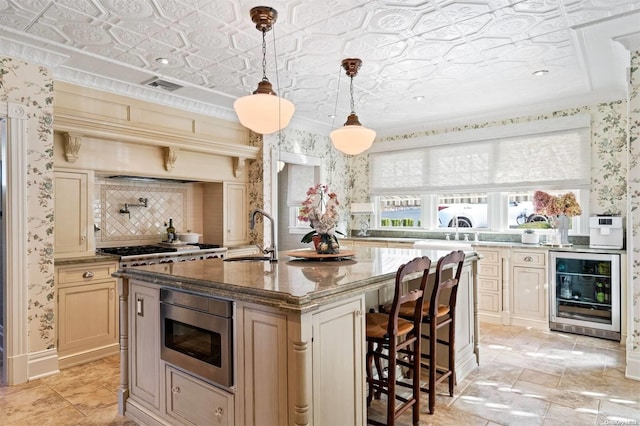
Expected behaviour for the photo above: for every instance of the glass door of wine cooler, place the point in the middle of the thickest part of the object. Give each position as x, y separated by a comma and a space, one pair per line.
585, 293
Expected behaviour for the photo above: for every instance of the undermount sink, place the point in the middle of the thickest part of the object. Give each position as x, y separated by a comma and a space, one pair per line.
247, 259
443, 244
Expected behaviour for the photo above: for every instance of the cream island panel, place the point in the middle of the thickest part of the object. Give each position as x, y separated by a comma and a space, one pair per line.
299, 334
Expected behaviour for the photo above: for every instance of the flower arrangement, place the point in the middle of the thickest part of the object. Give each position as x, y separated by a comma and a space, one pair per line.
320, 209
550, 205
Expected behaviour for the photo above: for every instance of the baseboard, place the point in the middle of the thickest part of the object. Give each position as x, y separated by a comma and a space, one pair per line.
530, 323
490, 318
66, 361
43, 364
633, 364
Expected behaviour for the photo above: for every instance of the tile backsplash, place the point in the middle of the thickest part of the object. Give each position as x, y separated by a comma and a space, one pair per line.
143, 225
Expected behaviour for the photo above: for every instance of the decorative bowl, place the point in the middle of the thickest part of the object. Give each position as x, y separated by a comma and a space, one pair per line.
188, 237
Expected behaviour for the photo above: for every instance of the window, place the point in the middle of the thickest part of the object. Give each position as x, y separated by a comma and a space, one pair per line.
483, 178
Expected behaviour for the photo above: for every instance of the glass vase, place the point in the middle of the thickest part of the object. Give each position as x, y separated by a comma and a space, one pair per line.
563, 228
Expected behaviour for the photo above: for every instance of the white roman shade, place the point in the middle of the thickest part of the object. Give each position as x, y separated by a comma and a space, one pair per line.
543, 160
301, 178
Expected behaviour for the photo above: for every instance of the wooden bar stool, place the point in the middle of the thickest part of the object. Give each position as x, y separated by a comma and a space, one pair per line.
438, 314
400, 337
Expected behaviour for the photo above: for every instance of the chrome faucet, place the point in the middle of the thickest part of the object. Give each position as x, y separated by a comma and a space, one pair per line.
271, 250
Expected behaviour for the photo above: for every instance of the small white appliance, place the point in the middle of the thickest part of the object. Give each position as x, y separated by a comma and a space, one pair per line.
606, 232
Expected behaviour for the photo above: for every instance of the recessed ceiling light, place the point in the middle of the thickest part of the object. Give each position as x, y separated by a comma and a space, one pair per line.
540, 72
418, 98
162, 61
332, 116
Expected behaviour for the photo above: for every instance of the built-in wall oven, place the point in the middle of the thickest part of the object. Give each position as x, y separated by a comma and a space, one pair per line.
197, 335
585, 293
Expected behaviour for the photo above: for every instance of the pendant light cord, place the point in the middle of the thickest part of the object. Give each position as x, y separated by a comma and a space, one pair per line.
264, 65
264, 55
335, 106
353, 105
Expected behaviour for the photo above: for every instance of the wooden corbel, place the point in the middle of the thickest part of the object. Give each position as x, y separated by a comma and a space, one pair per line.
72, 144
170, 157
239, 164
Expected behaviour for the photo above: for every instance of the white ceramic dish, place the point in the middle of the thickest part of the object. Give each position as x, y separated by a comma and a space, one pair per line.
188, 237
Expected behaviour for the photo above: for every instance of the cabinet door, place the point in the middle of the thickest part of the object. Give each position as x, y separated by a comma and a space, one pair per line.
87, 317
193, 402
72, 209
237, 214
144, 338
338, 365
265, 367
528, 292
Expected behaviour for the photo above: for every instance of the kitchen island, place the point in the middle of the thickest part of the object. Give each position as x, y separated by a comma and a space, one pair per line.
298, 338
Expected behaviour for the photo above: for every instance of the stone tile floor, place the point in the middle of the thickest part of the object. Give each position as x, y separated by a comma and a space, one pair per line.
533, 377
526, 377
82, 395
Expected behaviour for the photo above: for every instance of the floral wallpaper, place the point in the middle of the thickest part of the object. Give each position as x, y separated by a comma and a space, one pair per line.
634, 193
32, 86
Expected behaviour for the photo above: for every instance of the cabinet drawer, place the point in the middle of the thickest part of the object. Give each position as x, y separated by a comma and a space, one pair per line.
192, 401
488, 284
489, 302
489, 256
488, 270
529, 258
85, 273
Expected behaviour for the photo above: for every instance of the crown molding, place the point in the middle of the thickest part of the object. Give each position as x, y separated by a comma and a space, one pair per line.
31, 54
94, 81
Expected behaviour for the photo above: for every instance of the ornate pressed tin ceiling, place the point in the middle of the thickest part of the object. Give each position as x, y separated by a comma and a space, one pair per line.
467, 59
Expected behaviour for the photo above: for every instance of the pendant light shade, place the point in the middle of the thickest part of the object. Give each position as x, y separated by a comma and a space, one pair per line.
353, 138
263, 111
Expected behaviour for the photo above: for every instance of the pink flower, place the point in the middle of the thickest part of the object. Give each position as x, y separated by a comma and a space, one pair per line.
320, 208
550, 205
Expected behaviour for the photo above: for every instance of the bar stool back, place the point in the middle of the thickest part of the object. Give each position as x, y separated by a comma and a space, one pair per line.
438, 314
401, 338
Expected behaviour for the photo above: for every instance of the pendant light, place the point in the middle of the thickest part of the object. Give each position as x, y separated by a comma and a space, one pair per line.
263, 111
353, 138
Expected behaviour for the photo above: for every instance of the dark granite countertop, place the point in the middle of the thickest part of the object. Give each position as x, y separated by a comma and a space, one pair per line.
290, 284
86, 259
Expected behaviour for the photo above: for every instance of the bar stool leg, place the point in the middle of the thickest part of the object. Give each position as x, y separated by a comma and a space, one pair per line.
452, 361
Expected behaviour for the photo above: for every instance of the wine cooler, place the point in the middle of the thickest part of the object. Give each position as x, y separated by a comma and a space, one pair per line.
585, 293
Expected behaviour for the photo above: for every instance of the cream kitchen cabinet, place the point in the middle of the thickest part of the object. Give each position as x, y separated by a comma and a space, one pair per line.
263, 365
529, 305
338, 353
73, 213
226, 211
490, 285
190, 401
144, 351
87, 312
276, 366
236, 220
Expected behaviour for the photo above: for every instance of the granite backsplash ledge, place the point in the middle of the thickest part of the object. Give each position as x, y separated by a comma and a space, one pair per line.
509, 237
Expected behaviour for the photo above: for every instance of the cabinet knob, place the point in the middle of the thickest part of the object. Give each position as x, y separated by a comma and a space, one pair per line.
175, 389
219, 412
528, 259
87, 274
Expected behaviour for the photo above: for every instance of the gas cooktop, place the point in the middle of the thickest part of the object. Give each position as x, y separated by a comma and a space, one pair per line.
151, 249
